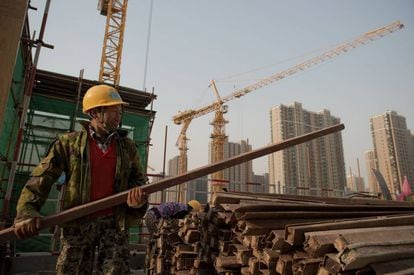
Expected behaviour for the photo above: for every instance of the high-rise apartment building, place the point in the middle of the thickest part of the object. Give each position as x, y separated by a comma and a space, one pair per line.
316, 167
173, 166
236, 176
196, 189
355, 184
393, 149
371, 164
260, 184
240, 174
172, 193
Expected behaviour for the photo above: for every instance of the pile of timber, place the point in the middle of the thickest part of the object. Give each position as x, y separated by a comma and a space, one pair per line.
246, 233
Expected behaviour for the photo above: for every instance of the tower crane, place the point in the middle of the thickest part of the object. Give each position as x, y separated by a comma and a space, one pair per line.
115, 12
184, 118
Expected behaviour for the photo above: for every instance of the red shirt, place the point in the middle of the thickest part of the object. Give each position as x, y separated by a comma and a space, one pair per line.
103, 166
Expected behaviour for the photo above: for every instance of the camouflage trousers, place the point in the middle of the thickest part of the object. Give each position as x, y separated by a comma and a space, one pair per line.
78, 248
151, 221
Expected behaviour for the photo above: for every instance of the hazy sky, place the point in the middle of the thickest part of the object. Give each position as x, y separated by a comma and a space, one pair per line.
193, 42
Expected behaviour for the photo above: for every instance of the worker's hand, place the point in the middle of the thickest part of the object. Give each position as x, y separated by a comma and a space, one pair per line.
27, 228
136, 198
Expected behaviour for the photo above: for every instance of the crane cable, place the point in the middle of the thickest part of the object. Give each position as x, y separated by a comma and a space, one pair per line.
233, 78
148, 43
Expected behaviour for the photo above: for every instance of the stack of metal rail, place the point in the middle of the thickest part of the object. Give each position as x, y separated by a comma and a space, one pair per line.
245, 233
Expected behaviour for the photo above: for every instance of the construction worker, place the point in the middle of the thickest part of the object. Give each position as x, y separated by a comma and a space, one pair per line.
98, 161
169, 210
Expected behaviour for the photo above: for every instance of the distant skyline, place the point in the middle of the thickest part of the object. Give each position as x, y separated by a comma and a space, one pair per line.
193, 42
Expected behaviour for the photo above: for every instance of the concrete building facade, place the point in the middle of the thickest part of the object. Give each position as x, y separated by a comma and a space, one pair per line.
393, 149
173, 166
237, 176
371, 164
194, 190
171, 194
260, 183
313, 168
241, 175
355, 183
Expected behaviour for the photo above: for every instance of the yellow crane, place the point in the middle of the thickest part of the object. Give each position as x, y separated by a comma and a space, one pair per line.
184, 118
115, 12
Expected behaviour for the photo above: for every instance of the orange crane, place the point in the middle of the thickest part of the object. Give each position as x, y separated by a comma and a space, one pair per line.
115, 12
184, 118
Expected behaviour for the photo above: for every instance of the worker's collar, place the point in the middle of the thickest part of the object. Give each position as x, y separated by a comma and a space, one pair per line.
103, 142
87, 125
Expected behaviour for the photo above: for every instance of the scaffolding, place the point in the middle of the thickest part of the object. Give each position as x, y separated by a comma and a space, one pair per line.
53, 109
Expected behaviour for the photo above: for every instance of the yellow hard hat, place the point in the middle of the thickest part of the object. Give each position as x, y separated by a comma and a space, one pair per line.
101, 95
195, 205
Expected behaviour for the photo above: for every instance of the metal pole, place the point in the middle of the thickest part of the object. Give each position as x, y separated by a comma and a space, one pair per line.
75, 112
26, 102
163, 162
114, 200
149, 130
359, 176
148, 42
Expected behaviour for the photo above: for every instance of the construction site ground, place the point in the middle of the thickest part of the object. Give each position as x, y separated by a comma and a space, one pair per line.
43, 263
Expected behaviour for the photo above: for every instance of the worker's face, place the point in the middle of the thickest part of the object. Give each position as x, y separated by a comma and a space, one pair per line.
109, 118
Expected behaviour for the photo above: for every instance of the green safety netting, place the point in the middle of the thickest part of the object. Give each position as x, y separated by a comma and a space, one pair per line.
47, 117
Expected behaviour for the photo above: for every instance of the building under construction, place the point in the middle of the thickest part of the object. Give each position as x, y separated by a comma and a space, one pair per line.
237, 233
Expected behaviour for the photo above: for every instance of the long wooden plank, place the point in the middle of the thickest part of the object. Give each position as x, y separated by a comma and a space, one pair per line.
114, 200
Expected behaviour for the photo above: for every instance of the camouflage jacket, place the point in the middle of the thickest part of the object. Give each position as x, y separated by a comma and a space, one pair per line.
70, 154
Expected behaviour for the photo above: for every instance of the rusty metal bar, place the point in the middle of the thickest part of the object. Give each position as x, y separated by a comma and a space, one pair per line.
114, 200
295, 234
313, 214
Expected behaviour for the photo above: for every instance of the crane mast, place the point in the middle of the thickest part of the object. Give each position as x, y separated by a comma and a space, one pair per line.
115, 12
183, 159
218, 139
185, 117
